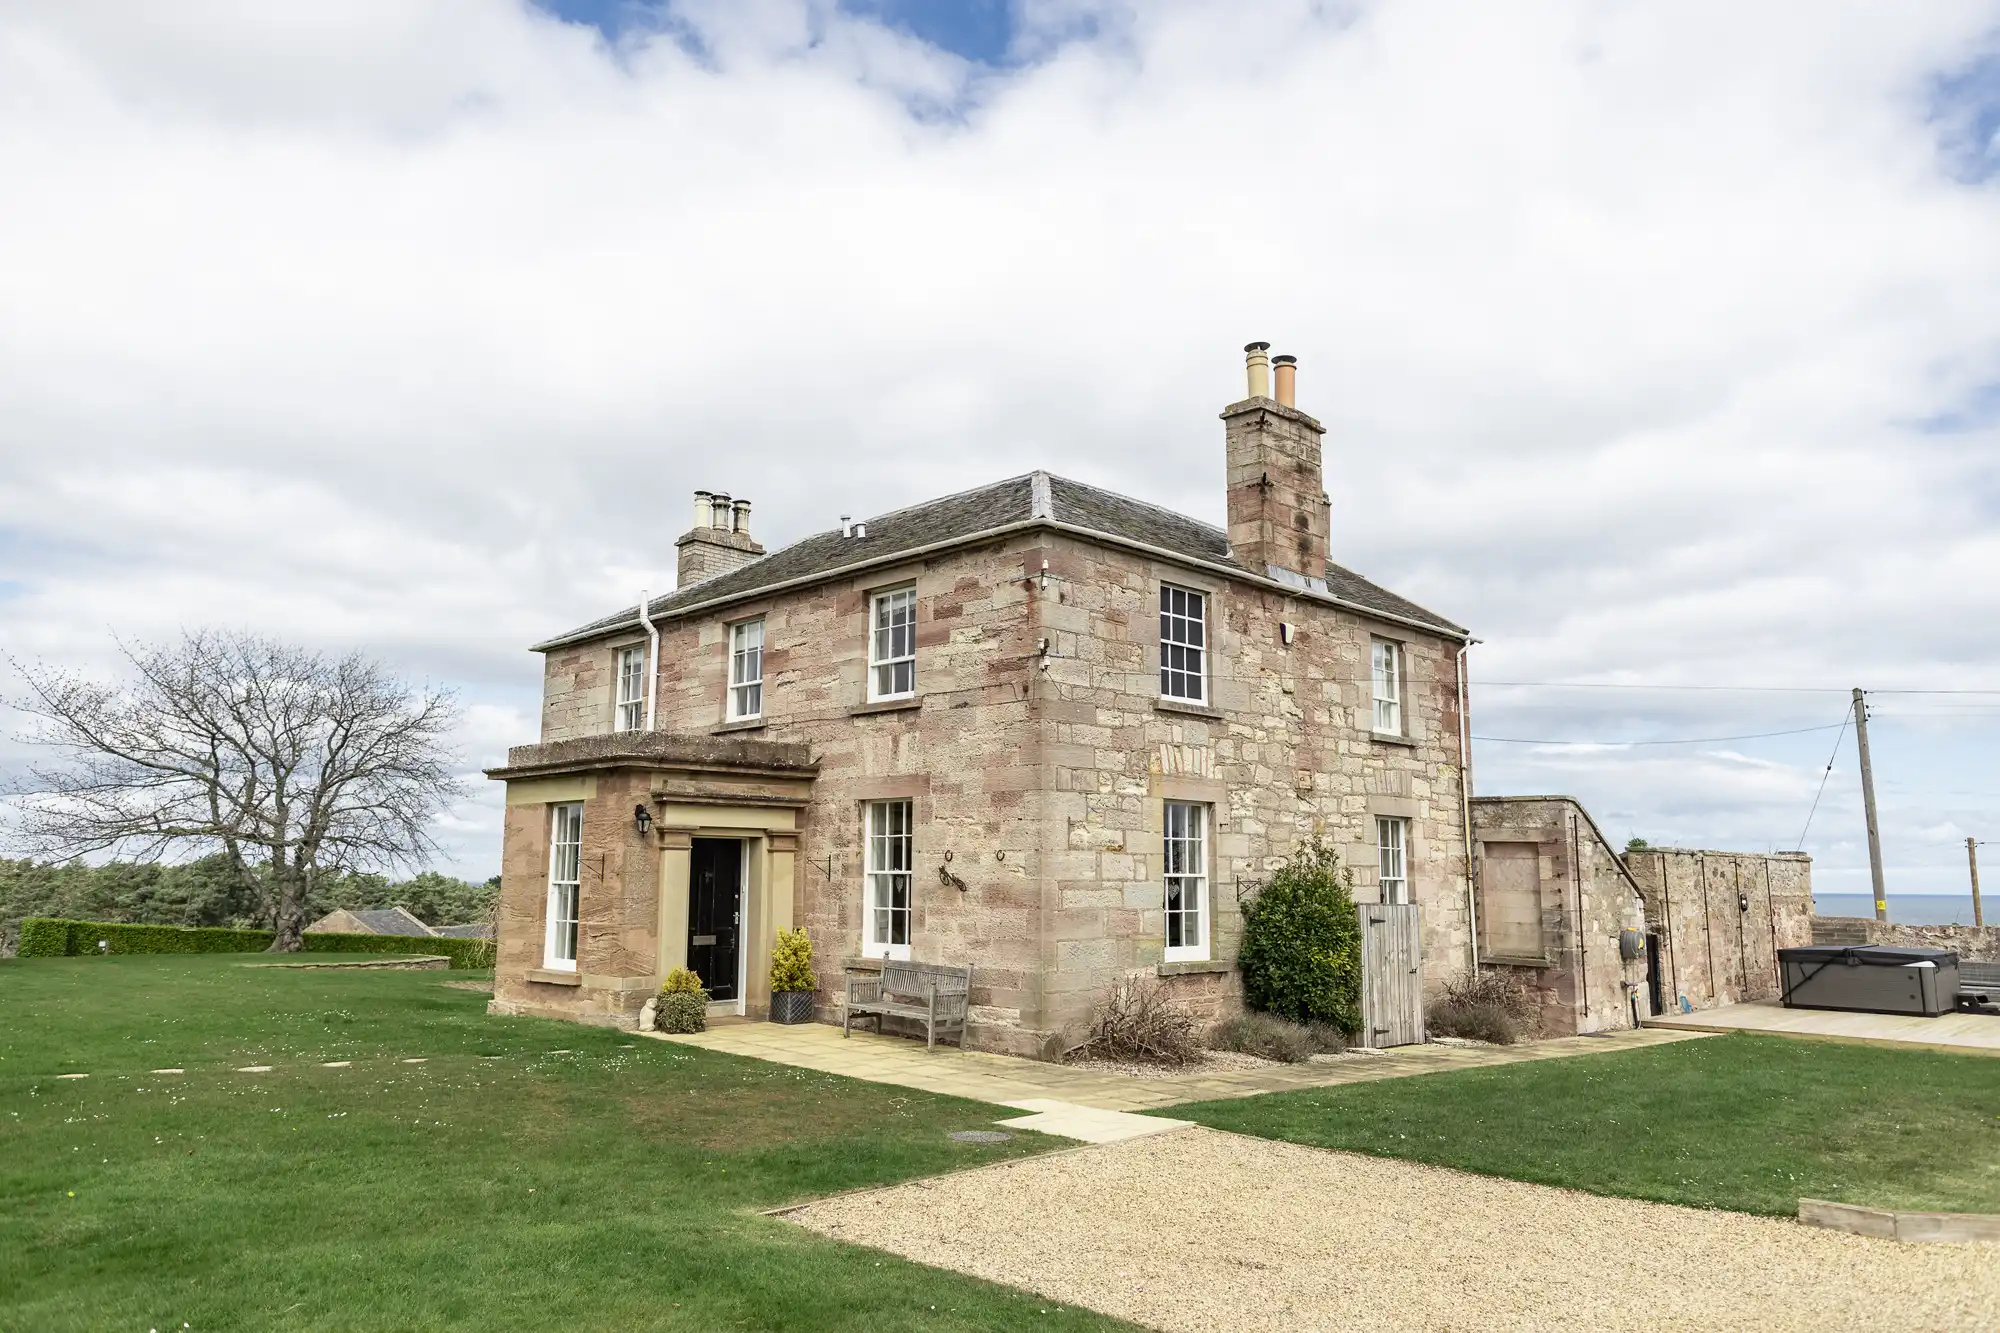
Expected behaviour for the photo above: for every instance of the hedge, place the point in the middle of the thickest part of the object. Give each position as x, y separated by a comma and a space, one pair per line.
463, 953
51, 937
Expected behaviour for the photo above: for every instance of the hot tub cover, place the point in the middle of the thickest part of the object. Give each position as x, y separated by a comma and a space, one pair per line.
1868, 955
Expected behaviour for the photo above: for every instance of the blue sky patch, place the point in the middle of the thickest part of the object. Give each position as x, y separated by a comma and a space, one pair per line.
1965, 106
979, 30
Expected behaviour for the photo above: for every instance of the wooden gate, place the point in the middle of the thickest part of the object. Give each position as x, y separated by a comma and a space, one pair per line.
1392, 977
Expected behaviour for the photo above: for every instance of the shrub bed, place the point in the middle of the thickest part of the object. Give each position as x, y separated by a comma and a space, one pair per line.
1481, 1007
53, 937
1137, 1021
1273, 1038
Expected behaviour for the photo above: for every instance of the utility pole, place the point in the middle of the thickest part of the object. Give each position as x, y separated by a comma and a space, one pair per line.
1972, 862
1868, 805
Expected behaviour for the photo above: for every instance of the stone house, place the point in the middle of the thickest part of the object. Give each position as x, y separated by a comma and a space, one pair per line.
1036, 728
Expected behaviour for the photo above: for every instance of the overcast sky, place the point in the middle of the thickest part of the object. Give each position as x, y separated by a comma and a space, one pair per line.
1659, 343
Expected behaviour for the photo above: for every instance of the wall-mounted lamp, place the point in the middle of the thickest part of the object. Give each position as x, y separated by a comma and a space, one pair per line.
1286, 632
1045, 576
642, 819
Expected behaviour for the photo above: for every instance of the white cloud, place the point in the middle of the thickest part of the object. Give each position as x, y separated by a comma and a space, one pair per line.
412, 324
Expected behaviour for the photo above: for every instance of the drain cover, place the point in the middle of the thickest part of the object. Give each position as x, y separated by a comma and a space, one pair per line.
980, 1136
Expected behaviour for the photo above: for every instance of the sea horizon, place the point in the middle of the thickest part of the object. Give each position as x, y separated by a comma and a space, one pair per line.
1909, 909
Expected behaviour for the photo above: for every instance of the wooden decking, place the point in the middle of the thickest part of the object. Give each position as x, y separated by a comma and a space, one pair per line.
1962, 1034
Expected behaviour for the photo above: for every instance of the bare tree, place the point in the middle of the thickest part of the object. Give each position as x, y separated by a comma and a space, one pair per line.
291, 763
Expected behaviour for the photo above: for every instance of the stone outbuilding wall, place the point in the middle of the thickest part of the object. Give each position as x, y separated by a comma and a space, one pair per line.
1554, 897
1719, 919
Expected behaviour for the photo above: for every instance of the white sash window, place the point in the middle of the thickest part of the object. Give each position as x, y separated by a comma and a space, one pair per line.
565, 876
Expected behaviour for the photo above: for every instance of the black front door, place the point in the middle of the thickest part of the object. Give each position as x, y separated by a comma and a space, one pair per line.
715, 912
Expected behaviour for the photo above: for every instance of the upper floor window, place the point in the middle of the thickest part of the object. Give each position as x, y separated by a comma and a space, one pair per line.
565, 879
891, 856
1183, 644
1388, 688
746, 670
892, 644
631, 689
1186, 881
1392, 837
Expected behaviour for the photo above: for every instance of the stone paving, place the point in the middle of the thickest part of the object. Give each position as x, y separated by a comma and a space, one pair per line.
1009, 1080
1956, 1033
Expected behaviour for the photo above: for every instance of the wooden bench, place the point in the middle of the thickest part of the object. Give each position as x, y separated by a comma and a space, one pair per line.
927, 993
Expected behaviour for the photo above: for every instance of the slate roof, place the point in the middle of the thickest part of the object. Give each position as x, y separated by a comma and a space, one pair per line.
477, 930
390, 921
968, 515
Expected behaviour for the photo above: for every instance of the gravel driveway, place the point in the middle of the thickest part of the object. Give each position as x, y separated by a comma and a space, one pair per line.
1200, 1230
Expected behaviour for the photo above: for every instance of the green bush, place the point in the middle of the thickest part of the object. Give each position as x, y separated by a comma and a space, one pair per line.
44, 937
680, 981
49, 937
682, 1004
1270, 1037
792, 963
1301, 950
463, 953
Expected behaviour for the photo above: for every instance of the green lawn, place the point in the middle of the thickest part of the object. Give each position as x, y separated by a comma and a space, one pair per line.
1741, 1122
527, 1174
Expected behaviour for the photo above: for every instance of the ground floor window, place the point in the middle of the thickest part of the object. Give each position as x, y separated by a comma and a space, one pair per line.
1186, 881
565, 870
891, 853
1392, 838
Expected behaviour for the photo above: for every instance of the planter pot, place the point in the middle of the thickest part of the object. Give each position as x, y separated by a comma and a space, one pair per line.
791, 1006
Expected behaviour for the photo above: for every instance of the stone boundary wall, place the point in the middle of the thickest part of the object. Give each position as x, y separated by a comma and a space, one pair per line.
1974, 943
1721, 917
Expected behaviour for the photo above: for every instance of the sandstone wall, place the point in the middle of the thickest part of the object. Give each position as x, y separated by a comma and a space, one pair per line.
1042, 779
1583, 983
1721, 917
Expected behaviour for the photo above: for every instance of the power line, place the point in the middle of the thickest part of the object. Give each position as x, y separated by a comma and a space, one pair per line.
1690, 740
1722, 689
1822, 784
1601, 685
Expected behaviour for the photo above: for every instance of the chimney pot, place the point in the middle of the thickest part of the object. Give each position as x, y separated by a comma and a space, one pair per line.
719, 510
846, 524
742, 517
1257, 361
704, 509
1286, 369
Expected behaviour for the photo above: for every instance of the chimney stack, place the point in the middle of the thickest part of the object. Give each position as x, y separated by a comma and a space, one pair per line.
1257, 360
1277, 494
719, 541
1286, 368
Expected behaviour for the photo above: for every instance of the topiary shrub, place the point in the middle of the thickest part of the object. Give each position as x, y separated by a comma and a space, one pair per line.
1481, 1007
1270, 1037
792, 963
682, 1005
1137, 1021
1301, 949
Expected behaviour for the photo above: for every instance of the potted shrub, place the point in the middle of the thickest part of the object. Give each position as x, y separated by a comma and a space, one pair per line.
793, 980
682, 1005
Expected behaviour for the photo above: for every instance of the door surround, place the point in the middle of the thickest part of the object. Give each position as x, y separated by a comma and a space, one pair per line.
770, 845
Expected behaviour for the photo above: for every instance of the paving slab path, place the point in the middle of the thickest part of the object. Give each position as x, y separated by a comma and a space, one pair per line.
1007, 1079
1200, 1231
1956, 1033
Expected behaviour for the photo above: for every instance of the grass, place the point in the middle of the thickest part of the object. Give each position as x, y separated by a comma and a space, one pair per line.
527, 1173
1743, 1122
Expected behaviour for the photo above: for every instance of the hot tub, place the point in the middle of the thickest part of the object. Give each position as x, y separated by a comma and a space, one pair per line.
1870, 978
